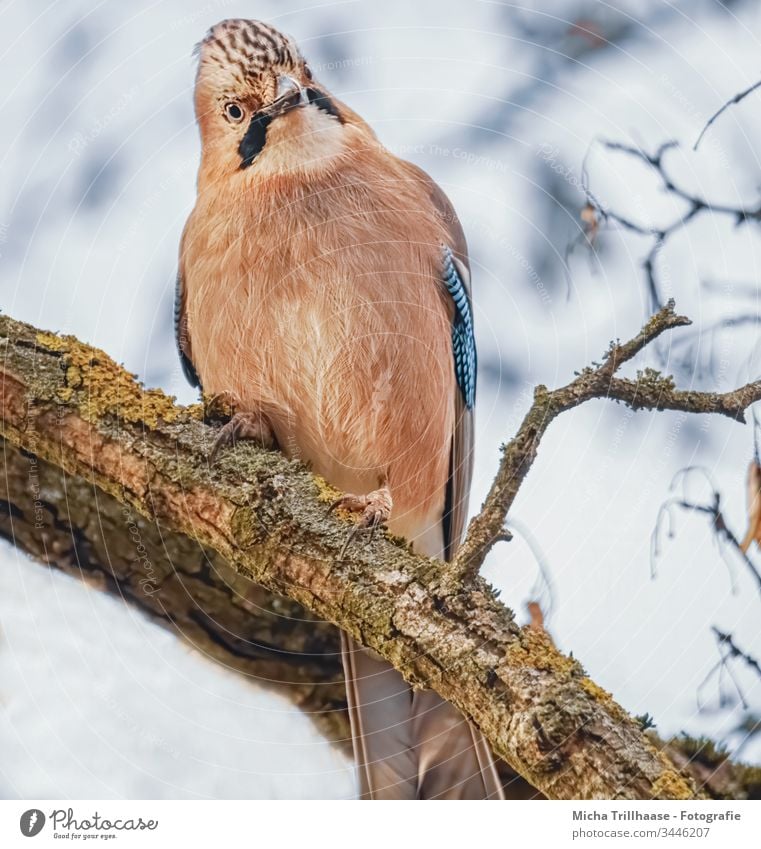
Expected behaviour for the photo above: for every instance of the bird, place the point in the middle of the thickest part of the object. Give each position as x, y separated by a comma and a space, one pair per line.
324, 285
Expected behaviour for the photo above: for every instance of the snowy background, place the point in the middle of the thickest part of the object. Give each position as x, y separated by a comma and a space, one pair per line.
500, 103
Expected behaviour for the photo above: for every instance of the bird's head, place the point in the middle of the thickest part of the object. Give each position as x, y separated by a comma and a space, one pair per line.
250, 77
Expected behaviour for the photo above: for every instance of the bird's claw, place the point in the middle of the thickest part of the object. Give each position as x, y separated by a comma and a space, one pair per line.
253, 426
375, 508
221, 405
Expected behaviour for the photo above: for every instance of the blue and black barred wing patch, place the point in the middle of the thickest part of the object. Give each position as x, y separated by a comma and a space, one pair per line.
181, 334
463, 338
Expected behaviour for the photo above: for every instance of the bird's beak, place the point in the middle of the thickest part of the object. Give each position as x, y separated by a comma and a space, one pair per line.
287, 86
288, 94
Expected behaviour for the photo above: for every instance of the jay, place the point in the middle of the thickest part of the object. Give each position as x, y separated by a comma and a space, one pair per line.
324, 285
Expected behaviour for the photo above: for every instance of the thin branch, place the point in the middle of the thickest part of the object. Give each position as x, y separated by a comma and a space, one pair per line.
731, 102
696, 205
722, 530
727, 323
734, 651
721, 669
695, 351
543, 586
728, 651
650, 391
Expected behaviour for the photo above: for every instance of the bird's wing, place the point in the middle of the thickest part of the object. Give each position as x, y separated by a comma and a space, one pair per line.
372, 691
181, 333
456, 278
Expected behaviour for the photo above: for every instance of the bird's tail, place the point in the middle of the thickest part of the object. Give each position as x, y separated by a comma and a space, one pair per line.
411, 744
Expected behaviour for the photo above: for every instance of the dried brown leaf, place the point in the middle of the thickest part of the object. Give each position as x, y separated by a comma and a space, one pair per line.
754, 506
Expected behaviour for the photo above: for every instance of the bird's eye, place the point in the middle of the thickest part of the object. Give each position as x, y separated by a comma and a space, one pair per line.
307, 72
234, 112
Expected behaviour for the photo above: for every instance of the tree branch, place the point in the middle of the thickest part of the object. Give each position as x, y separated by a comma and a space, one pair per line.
727, 642
740, 96
596, 212
73, 407
651, 391
719, 524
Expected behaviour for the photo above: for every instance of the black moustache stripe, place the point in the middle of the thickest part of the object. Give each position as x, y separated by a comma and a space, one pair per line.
252, 144
322, 101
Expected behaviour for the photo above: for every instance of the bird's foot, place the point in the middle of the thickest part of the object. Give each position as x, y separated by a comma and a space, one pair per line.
221, 405
253, 426
375, 508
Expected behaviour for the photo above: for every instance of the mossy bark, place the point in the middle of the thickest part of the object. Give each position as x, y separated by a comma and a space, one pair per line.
265, 519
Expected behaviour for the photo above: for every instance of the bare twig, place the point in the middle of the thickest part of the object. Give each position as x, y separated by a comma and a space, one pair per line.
695, 351
734, 651
650, 391
696, 205
542, 592
727, 543
731, 102
712, 509
729, 651
728, 323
